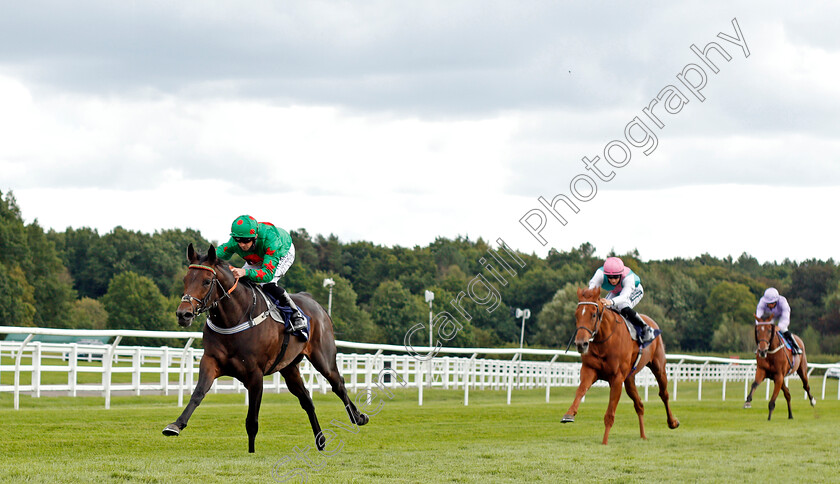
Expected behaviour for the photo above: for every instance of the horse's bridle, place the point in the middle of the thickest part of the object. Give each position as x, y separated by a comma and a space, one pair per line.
206, 299
770, 341
598, 313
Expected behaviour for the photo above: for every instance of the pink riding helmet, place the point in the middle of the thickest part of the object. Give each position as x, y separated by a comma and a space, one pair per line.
613, 266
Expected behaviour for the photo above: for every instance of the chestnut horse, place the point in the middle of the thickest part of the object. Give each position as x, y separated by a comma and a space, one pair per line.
608, 352
777, 363
258, 350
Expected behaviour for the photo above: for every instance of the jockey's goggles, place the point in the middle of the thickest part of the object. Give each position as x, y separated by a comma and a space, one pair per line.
244, 240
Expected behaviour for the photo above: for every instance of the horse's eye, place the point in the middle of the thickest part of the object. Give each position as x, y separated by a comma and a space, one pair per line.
207, 282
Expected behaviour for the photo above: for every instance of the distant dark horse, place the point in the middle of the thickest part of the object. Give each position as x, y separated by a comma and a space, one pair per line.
252, 354
608, 352
777, 363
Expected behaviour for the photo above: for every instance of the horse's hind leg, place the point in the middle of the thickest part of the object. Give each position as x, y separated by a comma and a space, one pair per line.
609, 417
802, 371
633, 393
327, 366
787, 397
255, 393
295, 384
657, 367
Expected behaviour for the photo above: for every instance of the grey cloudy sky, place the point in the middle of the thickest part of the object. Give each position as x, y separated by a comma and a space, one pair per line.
397, 122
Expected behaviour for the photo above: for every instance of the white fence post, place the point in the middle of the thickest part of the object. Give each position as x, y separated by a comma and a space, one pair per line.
72, 375
108, 363
548, 377
17, 369
510, 374
468, 371
181, 372
36, 369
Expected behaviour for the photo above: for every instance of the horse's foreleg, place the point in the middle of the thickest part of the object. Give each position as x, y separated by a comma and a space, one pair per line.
787, 397
587, 378
295, 384
633, 393
327, 366
609, 417
207, 373
759, 377
778, 384
255, 393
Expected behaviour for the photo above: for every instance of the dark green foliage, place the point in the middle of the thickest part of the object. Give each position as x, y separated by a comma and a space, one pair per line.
60, 279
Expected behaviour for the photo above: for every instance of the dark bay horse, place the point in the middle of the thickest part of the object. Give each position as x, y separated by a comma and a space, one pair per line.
608, 352
253, 353
777, 363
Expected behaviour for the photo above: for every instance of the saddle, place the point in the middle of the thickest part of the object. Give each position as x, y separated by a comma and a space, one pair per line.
634, 332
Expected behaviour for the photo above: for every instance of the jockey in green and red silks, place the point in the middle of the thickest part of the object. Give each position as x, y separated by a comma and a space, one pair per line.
624, 291
268, 252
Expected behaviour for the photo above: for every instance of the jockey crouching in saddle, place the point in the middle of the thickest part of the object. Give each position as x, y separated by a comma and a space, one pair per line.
268, 252
774, 303
624, 291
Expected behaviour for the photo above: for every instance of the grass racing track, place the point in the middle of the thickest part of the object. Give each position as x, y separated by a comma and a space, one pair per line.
61, 439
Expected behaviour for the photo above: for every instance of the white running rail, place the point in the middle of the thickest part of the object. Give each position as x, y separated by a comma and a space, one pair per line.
75, 369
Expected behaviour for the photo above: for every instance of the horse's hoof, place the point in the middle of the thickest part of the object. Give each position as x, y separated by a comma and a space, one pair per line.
171, 430
748, 405
674, 425
567, 418
362, 419
813, 402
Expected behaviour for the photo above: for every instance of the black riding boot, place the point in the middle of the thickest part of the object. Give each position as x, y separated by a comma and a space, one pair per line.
795, 347
298, 322
646, 334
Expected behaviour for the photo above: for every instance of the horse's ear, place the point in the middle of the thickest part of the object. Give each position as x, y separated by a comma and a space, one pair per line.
211, 255
191, 255
579, 292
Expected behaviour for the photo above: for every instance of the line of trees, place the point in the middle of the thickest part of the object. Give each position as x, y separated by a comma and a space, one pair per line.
131, 280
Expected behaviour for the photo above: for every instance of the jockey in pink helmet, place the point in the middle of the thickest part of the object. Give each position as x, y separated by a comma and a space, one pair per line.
774, 303
624, 291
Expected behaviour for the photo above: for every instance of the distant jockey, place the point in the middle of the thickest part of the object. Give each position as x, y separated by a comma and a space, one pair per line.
624, 291
268, 252
774, 303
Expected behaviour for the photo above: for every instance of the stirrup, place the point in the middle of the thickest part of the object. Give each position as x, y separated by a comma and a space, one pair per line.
296, 322
646, 334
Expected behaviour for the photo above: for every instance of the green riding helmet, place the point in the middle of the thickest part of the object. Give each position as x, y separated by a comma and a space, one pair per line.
245, 226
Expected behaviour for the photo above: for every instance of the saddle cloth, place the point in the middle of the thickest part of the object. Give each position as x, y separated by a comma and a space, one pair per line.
284, 313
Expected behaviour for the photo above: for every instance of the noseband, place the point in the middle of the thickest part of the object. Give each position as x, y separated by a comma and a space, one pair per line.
203, 303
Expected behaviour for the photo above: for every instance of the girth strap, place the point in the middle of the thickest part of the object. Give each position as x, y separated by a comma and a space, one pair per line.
282, 353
